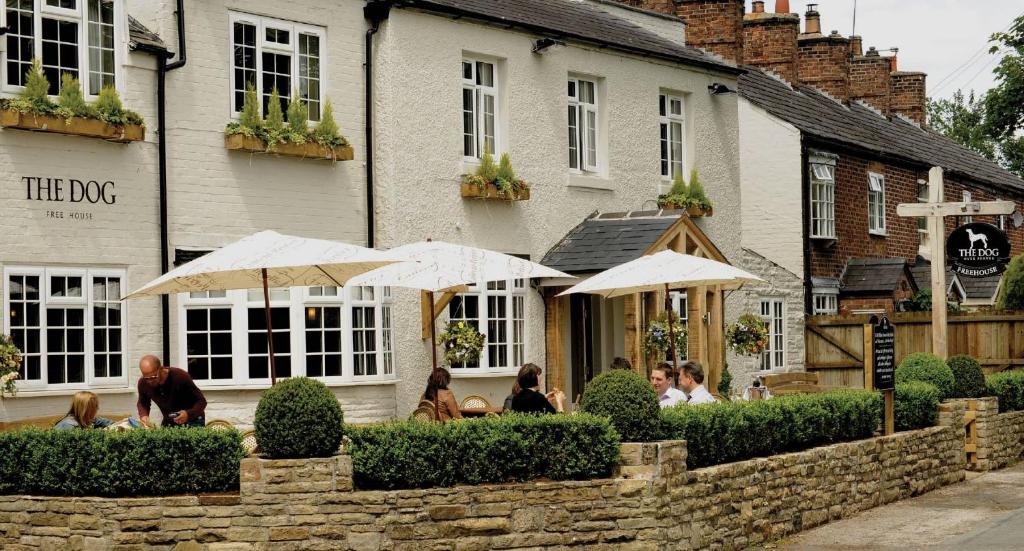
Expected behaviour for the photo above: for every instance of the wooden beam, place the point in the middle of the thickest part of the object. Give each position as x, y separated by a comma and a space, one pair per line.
937, 234
716, 341
869, 357
632, 322
973, 208
426, 310
851, 352
556, 372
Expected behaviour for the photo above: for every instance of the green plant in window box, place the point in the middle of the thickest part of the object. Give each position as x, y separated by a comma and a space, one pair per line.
273, 130
685, 196
748, 336
10, 364
658, 341
462, 342
502, 176
71, 100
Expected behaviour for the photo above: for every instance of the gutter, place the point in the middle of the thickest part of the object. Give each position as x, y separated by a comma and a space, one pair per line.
805, 214
376, 12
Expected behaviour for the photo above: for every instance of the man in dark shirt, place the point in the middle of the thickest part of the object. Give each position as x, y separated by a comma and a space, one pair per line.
179, 399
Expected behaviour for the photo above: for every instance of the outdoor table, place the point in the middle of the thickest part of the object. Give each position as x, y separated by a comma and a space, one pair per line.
480, 412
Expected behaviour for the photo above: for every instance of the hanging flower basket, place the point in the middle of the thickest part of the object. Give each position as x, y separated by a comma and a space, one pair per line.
748, 336
658, 341
462, 343
10, 363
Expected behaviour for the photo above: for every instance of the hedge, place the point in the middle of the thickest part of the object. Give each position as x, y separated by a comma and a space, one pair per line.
105, 463
968, 377
1008, 386
628, 399
916, 405
733, 431
928, 368
299, 417
513, 447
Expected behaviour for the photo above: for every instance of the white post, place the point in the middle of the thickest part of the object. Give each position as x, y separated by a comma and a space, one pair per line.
937, 238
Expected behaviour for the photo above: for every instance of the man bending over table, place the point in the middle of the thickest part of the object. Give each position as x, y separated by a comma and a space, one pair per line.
179, 399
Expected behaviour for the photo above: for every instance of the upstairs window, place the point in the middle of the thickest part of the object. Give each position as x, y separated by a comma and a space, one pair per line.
876, 203
673, 142
269, 53
479, 108
583, 125
823, 201
76, 37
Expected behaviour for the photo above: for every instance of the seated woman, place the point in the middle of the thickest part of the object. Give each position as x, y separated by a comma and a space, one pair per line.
529, 399
438, 393
82, 413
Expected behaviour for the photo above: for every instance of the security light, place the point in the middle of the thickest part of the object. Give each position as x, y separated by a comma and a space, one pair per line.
717, 88
542, 44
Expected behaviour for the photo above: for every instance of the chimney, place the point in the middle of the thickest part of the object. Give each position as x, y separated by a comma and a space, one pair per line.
823, 61
781, 6
869, 80
770, 42
715, 26
758, 6
907, 95
856, 45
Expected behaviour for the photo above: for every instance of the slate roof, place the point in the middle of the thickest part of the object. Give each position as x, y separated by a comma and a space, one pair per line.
139, 35
868, 276
981, 288
572, 20
858, 126
607, 240
922, 272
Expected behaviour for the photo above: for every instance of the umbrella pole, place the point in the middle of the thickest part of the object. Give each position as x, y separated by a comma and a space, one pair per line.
433, 354
671, 328
270, 330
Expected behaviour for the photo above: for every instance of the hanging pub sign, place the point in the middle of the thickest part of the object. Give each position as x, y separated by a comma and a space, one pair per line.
978, 250
883, 354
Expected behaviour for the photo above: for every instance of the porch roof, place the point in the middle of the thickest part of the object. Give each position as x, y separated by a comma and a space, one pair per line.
871, 276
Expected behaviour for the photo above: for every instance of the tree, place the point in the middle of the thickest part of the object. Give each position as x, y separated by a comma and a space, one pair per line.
963, 122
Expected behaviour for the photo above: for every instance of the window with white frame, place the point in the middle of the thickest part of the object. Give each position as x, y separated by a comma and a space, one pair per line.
273, 54
498, 310
823, 200
673, 140
966, 199
334, 334
583, 125
479, 108
825, 302
76, 37
679, 301
69, 325
876, 203
772, 312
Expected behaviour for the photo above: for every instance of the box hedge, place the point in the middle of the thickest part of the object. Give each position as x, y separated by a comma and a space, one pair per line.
733, 431
928, 368
514, 447
299, 417
916, 405
106, 463
628, 399
1008, 386
968, 377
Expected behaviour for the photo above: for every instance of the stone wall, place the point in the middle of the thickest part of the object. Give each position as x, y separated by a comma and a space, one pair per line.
654, 503
1000, 436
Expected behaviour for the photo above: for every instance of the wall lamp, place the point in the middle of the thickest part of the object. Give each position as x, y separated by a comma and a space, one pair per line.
717, 88
542, 44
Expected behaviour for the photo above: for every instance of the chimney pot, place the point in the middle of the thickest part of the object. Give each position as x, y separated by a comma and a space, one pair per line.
813, 19
758, 6
856, 46
781, 6
872, 52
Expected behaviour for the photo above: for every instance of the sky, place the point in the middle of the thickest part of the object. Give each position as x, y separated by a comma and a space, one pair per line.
948, 39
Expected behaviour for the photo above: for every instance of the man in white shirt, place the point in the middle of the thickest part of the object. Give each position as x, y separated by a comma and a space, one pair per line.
691, 379
661, 380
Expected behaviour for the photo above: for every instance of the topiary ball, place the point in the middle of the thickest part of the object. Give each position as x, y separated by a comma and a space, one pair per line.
928, 368
299, 417
968, 378
916, 405
628, 399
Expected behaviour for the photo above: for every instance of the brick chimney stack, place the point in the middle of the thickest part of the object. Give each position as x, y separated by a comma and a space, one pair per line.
907, 95
770, 41
869, 80
856, 45
823, 61
714, 26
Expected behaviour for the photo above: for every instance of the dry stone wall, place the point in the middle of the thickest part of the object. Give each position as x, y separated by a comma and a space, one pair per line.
1000, 436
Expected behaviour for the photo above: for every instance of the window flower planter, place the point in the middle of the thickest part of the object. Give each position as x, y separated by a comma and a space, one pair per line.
694, 211
308, 150
75, 126
490, 191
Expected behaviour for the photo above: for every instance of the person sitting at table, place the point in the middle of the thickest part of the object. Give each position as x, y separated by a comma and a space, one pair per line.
82, 413
529, 399
445, 405
691, 378
507, 406
661, 380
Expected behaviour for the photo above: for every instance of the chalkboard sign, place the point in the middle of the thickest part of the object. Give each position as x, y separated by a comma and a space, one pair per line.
883, 352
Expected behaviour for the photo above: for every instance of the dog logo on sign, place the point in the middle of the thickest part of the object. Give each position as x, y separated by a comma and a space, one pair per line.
975, 237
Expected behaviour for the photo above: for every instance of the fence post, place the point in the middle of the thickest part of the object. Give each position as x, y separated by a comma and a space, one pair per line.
869, 357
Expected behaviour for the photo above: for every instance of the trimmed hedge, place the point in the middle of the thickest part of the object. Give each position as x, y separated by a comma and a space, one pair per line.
1008, 386
916, 405
628, 399
928, 368
299, 417
968, 378
513, 447
733, 431
105, 463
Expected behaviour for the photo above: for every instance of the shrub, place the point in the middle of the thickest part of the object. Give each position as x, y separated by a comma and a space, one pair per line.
628, 399
132, 463
275, 117
928, 368
37, 87
250, 117
1011, 290
725, 385
71, 98
696, 191
299, 417
513, 447
487, 170
298, 117
916, 405
326, 132
1008, 386
732, 431
968, 378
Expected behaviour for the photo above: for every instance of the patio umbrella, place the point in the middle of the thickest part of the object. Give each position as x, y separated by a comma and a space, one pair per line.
269, 259
663, 271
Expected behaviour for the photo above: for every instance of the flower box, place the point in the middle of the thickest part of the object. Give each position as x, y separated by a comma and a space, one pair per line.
490, 191
75, 126
309, 150
693, 211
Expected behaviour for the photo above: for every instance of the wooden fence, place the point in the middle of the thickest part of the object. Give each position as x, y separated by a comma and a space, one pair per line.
835, 344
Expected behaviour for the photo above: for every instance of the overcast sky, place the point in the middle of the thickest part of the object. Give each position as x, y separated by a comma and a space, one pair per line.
948, 39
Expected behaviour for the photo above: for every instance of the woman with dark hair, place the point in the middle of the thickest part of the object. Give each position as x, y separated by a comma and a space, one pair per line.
529, 399
437, 392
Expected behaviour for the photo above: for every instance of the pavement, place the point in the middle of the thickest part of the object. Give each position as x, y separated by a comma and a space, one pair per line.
985, 512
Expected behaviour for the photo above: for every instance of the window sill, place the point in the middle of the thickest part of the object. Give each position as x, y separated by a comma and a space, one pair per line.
877, 233
69, 391
585, 181
491, 375
219, 388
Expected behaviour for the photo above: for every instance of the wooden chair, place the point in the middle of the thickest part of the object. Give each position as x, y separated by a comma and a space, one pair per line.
792, 383
219, 424
249, 443
423, 413
475, 401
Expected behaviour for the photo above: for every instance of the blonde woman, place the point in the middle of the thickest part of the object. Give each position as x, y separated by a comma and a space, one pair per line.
82, 413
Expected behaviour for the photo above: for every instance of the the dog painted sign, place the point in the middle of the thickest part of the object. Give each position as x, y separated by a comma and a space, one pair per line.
978, 250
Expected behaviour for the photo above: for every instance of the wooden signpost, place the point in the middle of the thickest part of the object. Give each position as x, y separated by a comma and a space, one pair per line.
935, 210
880, 365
